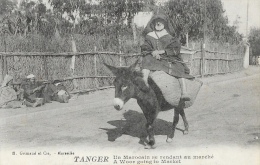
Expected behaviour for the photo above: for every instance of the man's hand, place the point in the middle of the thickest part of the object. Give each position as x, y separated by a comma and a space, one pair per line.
157, 53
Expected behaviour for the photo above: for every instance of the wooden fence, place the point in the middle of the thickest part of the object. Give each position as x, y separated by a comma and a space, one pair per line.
90, 73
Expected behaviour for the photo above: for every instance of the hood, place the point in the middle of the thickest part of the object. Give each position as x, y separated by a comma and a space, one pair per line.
167, 25
7, 79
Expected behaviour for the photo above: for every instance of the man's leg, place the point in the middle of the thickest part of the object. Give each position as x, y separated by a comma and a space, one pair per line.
38, 102
146, 73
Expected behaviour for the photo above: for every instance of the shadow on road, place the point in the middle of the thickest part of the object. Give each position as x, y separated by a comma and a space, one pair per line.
134, 125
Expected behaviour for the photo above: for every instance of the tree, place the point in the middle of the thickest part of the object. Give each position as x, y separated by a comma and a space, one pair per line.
106, 17
6, 6
6, 17
254, 40
187, 17
117, 11
113, 12
31, 17
71, 8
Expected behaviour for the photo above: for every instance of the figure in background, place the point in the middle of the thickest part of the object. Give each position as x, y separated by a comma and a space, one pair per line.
62, 95
8, 96
161, 48
56, 91
33, 91
18, 89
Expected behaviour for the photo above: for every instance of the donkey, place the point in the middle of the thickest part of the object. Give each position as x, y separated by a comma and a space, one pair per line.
129, 83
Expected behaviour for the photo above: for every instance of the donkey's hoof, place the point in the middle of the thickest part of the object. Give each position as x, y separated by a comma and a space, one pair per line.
147, 146
185, 132
150, 145
169, 140
151, 142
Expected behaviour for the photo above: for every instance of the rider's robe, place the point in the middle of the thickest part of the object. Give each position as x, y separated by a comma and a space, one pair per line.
172, 48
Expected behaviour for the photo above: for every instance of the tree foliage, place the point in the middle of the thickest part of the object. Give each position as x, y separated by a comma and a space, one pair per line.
113, 18
100, 15
6, 6
254, 40
29, 16
187, 16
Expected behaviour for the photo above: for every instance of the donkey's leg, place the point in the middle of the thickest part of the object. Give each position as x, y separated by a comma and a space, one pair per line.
150, 115
186, 125
174, 124
150, 131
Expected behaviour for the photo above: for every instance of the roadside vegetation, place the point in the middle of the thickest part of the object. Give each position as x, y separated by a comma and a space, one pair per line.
107, 25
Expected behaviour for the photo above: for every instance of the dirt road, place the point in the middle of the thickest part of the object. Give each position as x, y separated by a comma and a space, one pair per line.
225, 114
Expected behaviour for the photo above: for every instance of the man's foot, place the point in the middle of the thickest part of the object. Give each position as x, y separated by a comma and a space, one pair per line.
185, 97
39, 101
146, 73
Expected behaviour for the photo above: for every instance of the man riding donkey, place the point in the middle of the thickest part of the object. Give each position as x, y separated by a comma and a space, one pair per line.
166, 89
162, 52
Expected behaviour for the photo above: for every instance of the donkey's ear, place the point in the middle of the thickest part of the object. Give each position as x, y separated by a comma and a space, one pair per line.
133, 66
113, 69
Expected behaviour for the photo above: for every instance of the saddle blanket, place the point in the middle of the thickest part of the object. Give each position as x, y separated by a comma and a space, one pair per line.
171, 89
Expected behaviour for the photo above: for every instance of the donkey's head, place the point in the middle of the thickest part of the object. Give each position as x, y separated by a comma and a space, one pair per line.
128, 83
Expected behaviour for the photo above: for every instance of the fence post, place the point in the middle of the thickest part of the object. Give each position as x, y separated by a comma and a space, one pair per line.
191, 63
217, 67
4, 61
246, 56
72, 65
2, 68
45, 68
203, 60
204, 38
95, 70
120, 60
5, 65
227, 63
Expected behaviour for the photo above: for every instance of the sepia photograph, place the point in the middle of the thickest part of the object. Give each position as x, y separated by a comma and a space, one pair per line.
129, 82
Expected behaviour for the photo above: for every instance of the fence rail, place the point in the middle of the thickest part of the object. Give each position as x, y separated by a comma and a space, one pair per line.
90, 73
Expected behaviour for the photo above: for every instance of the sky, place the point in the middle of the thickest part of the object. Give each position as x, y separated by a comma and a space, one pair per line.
236, 8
